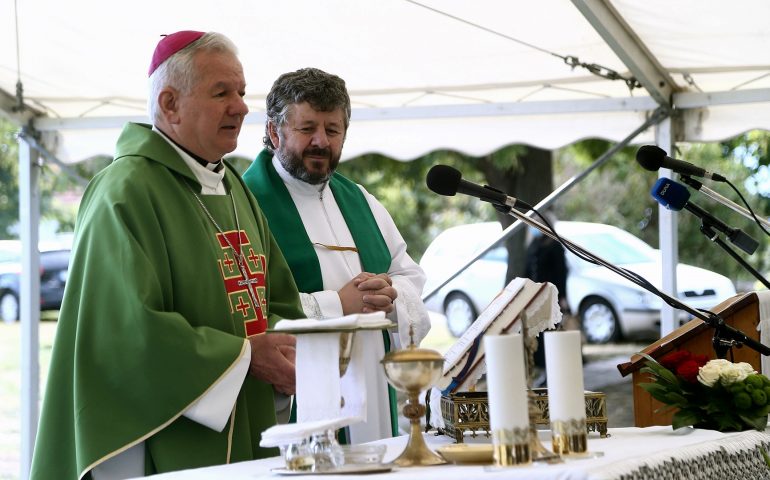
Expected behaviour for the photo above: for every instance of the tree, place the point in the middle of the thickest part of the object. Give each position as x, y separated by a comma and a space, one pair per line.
419, 213
53, 182
9, 178
523, 172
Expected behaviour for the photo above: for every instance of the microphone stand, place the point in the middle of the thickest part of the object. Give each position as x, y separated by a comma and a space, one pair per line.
725, 336
707, 229
723, 200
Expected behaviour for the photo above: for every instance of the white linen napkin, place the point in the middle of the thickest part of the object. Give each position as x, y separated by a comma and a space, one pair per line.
318, 376
356, 320
319, 387
287, 433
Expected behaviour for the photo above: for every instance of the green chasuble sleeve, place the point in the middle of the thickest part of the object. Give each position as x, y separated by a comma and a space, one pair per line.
154, 315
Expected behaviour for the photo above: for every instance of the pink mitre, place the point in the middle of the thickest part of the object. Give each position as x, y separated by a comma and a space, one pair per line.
170, 44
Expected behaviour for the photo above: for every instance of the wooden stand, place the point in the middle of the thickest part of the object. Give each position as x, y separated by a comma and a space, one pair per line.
740, 312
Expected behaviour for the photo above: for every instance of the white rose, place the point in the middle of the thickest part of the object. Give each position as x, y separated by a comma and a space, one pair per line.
735, 373
708, 374
746, 368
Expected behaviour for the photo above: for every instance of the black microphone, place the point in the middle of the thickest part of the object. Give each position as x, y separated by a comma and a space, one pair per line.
448, 181
652, 157
675, 196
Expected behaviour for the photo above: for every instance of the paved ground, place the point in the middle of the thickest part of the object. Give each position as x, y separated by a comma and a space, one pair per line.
600, 374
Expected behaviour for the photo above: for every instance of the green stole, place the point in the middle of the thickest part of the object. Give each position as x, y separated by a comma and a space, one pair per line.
289, 231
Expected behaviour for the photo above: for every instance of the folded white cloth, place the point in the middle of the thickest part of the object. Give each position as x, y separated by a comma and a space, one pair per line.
319, 387
287, 433
356, 320
318, 376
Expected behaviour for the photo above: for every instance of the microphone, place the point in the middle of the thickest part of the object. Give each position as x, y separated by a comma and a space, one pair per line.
447, 181
675, 196
652, 157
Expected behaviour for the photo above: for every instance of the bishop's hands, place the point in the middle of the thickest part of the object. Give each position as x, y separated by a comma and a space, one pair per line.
273, 360
368, 293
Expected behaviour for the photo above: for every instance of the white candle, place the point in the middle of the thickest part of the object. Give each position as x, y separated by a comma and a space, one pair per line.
564, 370
506, 384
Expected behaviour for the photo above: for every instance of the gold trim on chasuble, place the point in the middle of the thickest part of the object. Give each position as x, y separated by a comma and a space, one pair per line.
245, 295
174, 417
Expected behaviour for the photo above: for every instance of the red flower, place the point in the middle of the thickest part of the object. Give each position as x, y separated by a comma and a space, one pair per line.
673, 359
701, 359
688, 370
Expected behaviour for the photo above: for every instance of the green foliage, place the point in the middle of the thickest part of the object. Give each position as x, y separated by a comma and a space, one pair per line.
718, 407
419, 213
9, 178
618, 194
59, 192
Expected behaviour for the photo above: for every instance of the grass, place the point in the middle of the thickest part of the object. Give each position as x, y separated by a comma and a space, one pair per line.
10, 388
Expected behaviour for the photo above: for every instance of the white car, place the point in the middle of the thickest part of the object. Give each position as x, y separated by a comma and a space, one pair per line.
609, 306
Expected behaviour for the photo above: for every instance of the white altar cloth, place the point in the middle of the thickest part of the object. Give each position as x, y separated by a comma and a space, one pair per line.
626, 451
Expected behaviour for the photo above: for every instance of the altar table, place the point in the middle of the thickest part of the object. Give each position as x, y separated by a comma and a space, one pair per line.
628, 454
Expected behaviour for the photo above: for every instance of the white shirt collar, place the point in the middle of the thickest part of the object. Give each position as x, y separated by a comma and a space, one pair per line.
211, 182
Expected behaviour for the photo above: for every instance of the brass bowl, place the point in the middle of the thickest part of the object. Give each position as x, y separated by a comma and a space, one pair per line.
413, 368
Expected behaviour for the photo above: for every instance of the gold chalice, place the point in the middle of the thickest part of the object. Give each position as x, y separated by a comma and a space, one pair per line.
413, 370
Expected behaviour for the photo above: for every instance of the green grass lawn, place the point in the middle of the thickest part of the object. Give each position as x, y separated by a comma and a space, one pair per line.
10, 388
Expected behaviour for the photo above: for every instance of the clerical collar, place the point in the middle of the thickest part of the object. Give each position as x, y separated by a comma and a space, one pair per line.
214, 167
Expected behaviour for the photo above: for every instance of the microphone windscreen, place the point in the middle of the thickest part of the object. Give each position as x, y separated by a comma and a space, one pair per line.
650, 157
443, 179
670, 194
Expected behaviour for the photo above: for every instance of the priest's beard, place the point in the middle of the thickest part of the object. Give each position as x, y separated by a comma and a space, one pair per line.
294, 165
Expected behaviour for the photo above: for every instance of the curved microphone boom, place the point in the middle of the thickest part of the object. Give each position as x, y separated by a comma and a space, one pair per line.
448, 181
652, 157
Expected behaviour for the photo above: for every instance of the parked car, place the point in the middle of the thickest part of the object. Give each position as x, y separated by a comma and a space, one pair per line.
54, 267
609, 307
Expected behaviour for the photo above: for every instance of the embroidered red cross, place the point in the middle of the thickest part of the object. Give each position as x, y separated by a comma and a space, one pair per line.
237, 287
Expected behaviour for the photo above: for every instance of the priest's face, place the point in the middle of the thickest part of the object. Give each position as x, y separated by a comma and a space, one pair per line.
207, 120
309, 144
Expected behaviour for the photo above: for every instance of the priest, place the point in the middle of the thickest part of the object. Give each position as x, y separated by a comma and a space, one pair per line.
343, 247
161, 361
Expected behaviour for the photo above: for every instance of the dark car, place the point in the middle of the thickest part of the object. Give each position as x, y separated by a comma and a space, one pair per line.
54, 267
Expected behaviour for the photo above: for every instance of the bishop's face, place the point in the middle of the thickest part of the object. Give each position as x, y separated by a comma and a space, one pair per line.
309, 144
208, 119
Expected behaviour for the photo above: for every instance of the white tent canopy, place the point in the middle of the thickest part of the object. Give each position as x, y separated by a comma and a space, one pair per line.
475, 77
423, 75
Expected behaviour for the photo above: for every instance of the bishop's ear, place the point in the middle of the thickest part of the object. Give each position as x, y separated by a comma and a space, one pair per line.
168, 101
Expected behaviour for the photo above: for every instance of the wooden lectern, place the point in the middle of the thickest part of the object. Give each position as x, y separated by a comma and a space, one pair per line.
740, 312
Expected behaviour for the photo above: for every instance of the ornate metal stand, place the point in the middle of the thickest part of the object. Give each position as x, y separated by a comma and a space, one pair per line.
539, 452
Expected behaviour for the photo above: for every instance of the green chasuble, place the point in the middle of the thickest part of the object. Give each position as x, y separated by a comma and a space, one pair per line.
286, 224
155, 312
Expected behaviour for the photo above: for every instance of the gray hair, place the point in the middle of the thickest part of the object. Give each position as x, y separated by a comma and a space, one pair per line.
323, 91
179, 70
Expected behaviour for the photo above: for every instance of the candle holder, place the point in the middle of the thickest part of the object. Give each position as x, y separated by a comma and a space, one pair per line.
569, 438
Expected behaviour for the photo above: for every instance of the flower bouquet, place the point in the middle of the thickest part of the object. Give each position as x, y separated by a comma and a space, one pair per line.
712, 394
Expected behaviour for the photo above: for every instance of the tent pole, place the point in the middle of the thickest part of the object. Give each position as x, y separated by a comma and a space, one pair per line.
29, 216
668, 236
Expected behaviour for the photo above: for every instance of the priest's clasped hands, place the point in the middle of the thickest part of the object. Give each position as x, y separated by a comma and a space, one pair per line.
368, 293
